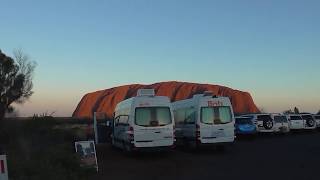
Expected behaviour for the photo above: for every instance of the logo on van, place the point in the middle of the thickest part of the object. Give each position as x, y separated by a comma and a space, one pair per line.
144, 104
214, 103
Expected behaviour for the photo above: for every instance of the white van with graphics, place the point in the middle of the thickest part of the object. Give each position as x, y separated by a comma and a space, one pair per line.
143, 122
264, 122
296, 121
204, 120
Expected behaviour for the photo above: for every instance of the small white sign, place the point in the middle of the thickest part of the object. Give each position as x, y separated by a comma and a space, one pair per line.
3, 168
87, 152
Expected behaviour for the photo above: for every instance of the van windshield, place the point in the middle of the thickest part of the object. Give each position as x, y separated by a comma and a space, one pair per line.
216, 115
280, 119
152, 116
317, 117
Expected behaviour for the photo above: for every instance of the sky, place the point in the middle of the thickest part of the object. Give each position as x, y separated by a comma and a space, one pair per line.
268, 48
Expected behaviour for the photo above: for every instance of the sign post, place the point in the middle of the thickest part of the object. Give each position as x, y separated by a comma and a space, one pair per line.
102, 127
95, 128
3, 168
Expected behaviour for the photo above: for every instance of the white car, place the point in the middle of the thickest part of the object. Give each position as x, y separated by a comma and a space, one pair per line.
296, 121
282, 124
309, 121
317, 118
204, 119
264, 122
143, 122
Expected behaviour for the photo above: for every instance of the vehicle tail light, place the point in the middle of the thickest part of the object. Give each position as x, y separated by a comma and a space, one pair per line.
2, 167
197, 132
130, 133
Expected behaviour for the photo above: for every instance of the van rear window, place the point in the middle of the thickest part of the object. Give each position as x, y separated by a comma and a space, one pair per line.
244, 120
216, 115
152, 116
280, 119
307, 117
264, 118
295, 118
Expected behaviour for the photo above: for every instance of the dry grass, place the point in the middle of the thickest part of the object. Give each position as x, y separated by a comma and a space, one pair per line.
42, 148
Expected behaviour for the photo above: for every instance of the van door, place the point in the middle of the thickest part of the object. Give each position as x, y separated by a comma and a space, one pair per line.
153, 127
216, 124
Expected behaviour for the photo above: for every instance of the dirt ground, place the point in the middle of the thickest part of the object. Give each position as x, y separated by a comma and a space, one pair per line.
292, 156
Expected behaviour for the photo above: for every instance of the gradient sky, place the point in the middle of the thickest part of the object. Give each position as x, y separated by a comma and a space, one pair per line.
269, 48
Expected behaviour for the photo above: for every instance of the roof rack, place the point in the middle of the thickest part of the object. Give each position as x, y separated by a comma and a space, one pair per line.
146, 92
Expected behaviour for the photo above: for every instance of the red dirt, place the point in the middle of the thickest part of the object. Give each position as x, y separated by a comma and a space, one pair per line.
106, 100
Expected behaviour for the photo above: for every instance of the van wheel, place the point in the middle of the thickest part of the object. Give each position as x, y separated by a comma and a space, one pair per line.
127, 147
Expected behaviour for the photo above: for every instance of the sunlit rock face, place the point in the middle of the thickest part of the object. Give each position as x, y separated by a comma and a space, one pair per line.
106, 100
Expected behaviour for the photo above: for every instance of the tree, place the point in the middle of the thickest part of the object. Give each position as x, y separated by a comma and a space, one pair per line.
15, 80
288, 112
296, 110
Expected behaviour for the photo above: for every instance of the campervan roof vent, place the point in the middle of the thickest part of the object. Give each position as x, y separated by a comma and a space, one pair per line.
146, 92
208, 93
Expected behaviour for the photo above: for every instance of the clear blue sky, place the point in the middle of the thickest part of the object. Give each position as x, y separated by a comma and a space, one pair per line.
270, 48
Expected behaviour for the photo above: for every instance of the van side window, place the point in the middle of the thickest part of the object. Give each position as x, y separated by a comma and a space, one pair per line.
190, 116
179, 116
185, 116
121, 120
116, 121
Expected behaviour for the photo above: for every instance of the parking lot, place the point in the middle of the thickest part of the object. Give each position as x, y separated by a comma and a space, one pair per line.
292, 156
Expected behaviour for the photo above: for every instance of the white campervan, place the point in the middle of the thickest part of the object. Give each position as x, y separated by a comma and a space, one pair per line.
143, 122
296, 121
204, 119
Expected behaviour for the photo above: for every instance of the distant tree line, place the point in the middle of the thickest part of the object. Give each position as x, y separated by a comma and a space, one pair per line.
289, 111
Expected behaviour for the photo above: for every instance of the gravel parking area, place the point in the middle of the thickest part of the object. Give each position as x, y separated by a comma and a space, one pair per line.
292, 156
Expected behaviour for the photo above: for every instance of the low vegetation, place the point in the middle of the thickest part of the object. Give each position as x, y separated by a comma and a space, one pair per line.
36, 149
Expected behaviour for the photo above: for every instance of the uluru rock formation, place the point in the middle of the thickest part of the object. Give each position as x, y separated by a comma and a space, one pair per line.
106, 100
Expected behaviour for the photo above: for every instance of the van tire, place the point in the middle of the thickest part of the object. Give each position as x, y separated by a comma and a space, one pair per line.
310, 123
127, 148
